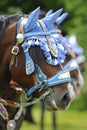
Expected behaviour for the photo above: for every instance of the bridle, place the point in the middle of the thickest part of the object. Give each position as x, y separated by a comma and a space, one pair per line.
43, 81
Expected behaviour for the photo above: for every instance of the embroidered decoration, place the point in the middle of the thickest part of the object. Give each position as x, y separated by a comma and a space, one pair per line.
55, 53
51, 46
50, 59
53, 50
29, 66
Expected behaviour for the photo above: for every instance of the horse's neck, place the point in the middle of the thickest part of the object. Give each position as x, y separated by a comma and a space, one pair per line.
7, 40
6, 43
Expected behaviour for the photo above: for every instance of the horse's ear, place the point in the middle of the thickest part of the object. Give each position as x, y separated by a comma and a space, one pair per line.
49, 12
49, 20
61, 18
31, 21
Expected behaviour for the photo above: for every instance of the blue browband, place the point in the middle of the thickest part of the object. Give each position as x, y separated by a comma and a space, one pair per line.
41, 33
29, 34
63, 76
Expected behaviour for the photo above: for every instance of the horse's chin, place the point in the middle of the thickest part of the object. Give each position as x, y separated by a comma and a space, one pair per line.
60, 98
51, 104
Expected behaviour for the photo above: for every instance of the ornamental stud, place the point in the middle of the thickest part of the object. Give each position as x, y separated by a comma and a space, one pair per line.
53, 50
11, 125
20, 38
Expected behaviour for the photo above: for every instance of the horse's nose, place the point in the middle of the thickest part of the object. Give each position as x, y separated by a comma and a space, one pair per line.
66, 99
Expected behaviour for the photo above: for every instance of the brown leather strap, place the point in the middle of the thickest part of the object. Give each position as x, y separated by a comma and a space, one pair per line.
9, 103
21, 30
12, 59
14, 85
35, 80
4, 112
13, 82
42, 26
53, 50
70, 51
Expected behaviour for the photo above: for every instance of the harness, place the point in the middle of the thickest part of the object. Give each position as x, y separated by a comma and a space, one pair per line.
43, 83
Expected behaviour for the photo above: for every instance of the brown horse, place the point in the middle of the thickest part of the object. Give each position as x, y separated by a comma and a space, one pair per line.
14, 80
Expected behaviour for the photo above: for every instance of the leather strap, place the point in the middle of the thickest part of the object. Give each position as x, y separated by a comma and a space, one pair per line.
21, 30
14, 85
3, 112
8, 103
70, 51
53, 50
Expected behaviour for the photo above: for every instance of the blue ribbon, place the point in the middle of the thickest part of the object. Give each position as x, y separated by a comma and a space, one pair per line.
41, 33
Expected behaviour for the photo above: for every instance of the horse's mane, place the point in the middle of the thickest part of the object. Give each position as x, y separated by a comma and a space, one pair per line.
5, 20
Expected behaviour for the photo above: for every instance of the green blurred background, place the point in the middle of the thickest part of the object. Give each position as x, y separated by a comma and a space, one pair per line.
76, 22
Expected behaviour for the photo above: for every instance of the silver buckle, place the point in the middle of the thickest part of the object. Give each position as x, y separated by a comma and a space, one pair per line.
15, 50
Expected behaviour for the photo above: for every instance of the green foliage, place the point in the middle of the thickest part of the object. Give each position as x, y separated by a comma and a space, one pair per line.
65, 120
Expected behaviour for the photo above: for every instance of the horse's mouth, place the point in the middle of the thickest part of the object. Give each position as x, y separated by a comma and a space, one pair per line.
52, 104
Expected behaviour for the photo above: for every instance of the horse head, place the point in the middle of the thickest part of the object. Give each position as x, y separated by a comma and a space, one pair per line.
34, 59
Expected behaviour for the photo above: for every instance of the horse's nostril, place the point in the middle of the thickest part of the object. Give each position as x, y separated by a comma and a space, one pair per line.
66, 98
77, 85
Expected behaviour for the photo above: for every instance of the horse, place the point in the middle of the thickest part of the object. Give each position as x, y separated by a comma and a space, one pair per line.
23, 65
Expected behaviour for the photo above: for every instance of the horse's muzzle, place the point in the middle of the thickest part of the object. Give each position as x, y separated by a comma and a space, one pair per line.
53, 103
